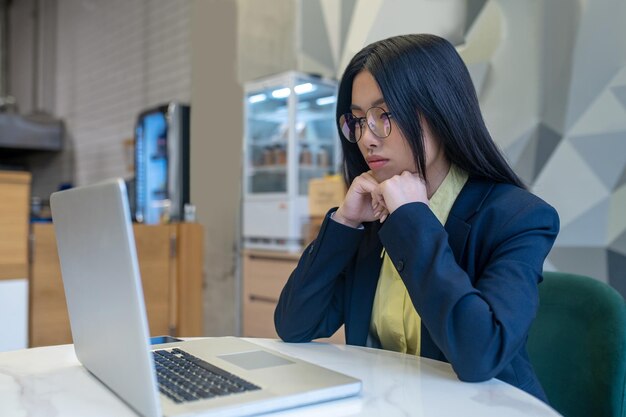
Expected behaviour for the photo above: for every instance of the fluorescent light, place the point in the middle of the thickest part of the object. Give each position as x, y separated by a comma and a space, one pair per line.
299, 89
304, 88
322, 101
281, 92
256, 98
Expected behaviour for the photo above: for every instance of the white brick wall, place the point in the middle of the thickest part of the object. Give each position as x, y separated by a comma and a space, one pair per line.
114, 59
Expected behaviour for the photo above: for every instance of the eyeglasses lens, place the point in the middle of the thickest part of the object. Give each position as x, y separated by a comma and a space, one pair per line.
377, 120
350, 127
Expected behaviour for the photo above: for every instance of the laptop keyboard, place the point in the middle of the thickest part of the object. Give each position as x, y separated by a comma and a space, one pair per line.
184, 377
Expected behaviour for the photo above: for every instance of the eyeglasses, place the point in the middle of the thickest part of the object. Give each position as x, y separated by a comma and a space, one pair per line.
378, 120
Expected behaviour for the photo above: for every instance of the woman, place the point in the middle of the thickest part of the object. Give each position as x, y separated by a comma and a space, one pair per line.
417, 156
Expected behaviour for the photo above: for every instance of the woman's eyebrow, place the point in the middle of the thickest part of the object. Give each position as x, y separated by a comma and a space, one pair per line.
376, 103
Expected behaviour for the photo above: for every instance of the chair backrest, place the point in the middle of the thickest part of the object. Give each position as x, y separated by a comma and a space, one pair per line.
577, 346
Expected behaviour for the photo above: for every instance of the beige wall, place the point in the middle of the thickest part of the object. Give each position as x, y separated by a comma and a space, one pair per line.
216, 143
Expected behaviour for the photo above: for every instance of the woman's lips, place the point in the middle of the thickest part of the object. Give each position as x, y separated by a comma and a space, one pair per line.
375, 163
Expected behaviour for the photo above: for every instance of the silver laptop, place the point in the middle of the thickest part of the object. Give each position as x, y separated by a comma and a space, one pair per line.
218, 376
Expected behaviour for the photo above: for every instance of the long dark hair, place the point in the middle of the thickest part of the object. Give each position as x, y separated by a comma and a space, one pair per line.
423, 74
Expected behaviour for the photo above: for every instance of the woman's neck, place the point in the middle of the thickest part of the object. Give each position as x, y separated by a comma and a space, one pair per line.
435, 174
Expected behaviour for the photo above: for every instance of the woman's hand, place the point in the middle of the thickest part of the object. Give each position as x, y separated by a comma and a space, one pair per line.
358, 206
399, 190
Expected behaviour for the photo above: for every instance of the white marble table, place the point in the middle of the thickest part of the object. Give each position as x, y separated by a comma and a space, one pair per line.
51, 382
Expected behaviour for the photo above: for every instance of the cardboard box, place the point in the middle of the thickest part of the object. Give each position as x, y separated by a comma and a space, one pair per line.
325, 193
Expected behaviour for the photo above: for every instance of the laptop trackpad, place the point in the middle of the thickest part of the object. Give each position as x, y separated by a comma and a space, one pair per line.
256, 359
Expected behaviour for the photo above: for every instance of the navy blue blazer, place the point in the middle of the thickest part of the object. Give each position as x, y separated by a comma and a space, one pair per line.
473, 283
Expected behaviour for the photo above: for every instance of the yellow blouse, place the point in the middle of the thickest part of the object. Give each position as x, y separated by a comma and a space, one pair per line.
394, 322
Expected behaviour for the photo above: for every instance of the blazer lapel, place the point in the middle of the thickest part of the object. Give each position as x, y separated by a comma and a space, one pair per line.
467, 203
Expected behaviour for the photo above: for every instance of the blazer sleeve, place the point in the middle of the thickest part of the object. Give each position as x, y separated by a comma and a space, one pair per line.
479, 327
312, 302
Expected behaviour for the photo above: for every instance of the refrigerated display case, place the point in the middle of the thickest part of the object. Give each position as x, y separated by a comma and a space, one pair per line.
162, 163
290, 137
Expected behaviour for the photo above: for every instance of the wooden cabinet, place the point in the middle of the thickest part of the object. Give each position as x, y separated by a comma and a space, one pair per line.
170, 262
14, 214
264, 276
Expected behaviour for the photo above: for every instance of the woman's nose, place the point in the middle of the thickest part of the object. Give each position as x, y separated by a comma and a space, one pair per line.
369, 139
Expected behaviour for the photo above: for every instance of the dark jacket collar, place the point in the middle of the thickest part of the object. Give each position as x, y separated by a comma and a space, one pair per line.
471, 198
468, 203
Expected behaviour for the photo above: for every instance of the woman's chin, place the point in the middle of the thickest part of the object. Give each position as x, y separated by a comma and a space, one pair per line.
382, 174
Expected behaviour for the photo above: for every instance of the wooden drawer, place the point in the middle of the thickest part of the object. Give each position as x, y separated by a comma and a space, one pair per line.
258, 319
266, 275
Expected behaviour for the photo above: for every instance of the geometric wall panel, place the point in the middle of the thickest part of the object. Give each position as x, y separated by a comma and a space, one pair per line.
622, 179
588, 229
478, 72
617, 271
332, 16
314, 66
335, 19
595, 126
363, 17
604, 153
347, 10
373, 20
483, 32
525, 165
443, 17
619, 245
620, 93
547, 141
569, 184
620, 78
604, 114
514, 150
315, 39
474, 7
548, 266
616, 214
590, 261
601, 23
538, 149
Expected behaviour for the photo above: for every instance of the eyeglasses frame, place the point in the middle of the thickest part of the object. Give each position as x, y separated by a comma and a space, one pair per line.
360, 120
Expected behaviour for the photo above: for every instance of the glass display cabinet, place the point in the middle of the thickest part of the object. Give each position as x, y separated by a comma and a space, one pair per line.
290, 137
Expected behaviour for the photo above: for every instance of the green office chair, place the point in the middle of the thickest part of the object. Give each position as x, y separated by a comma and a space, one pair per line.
577, 346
